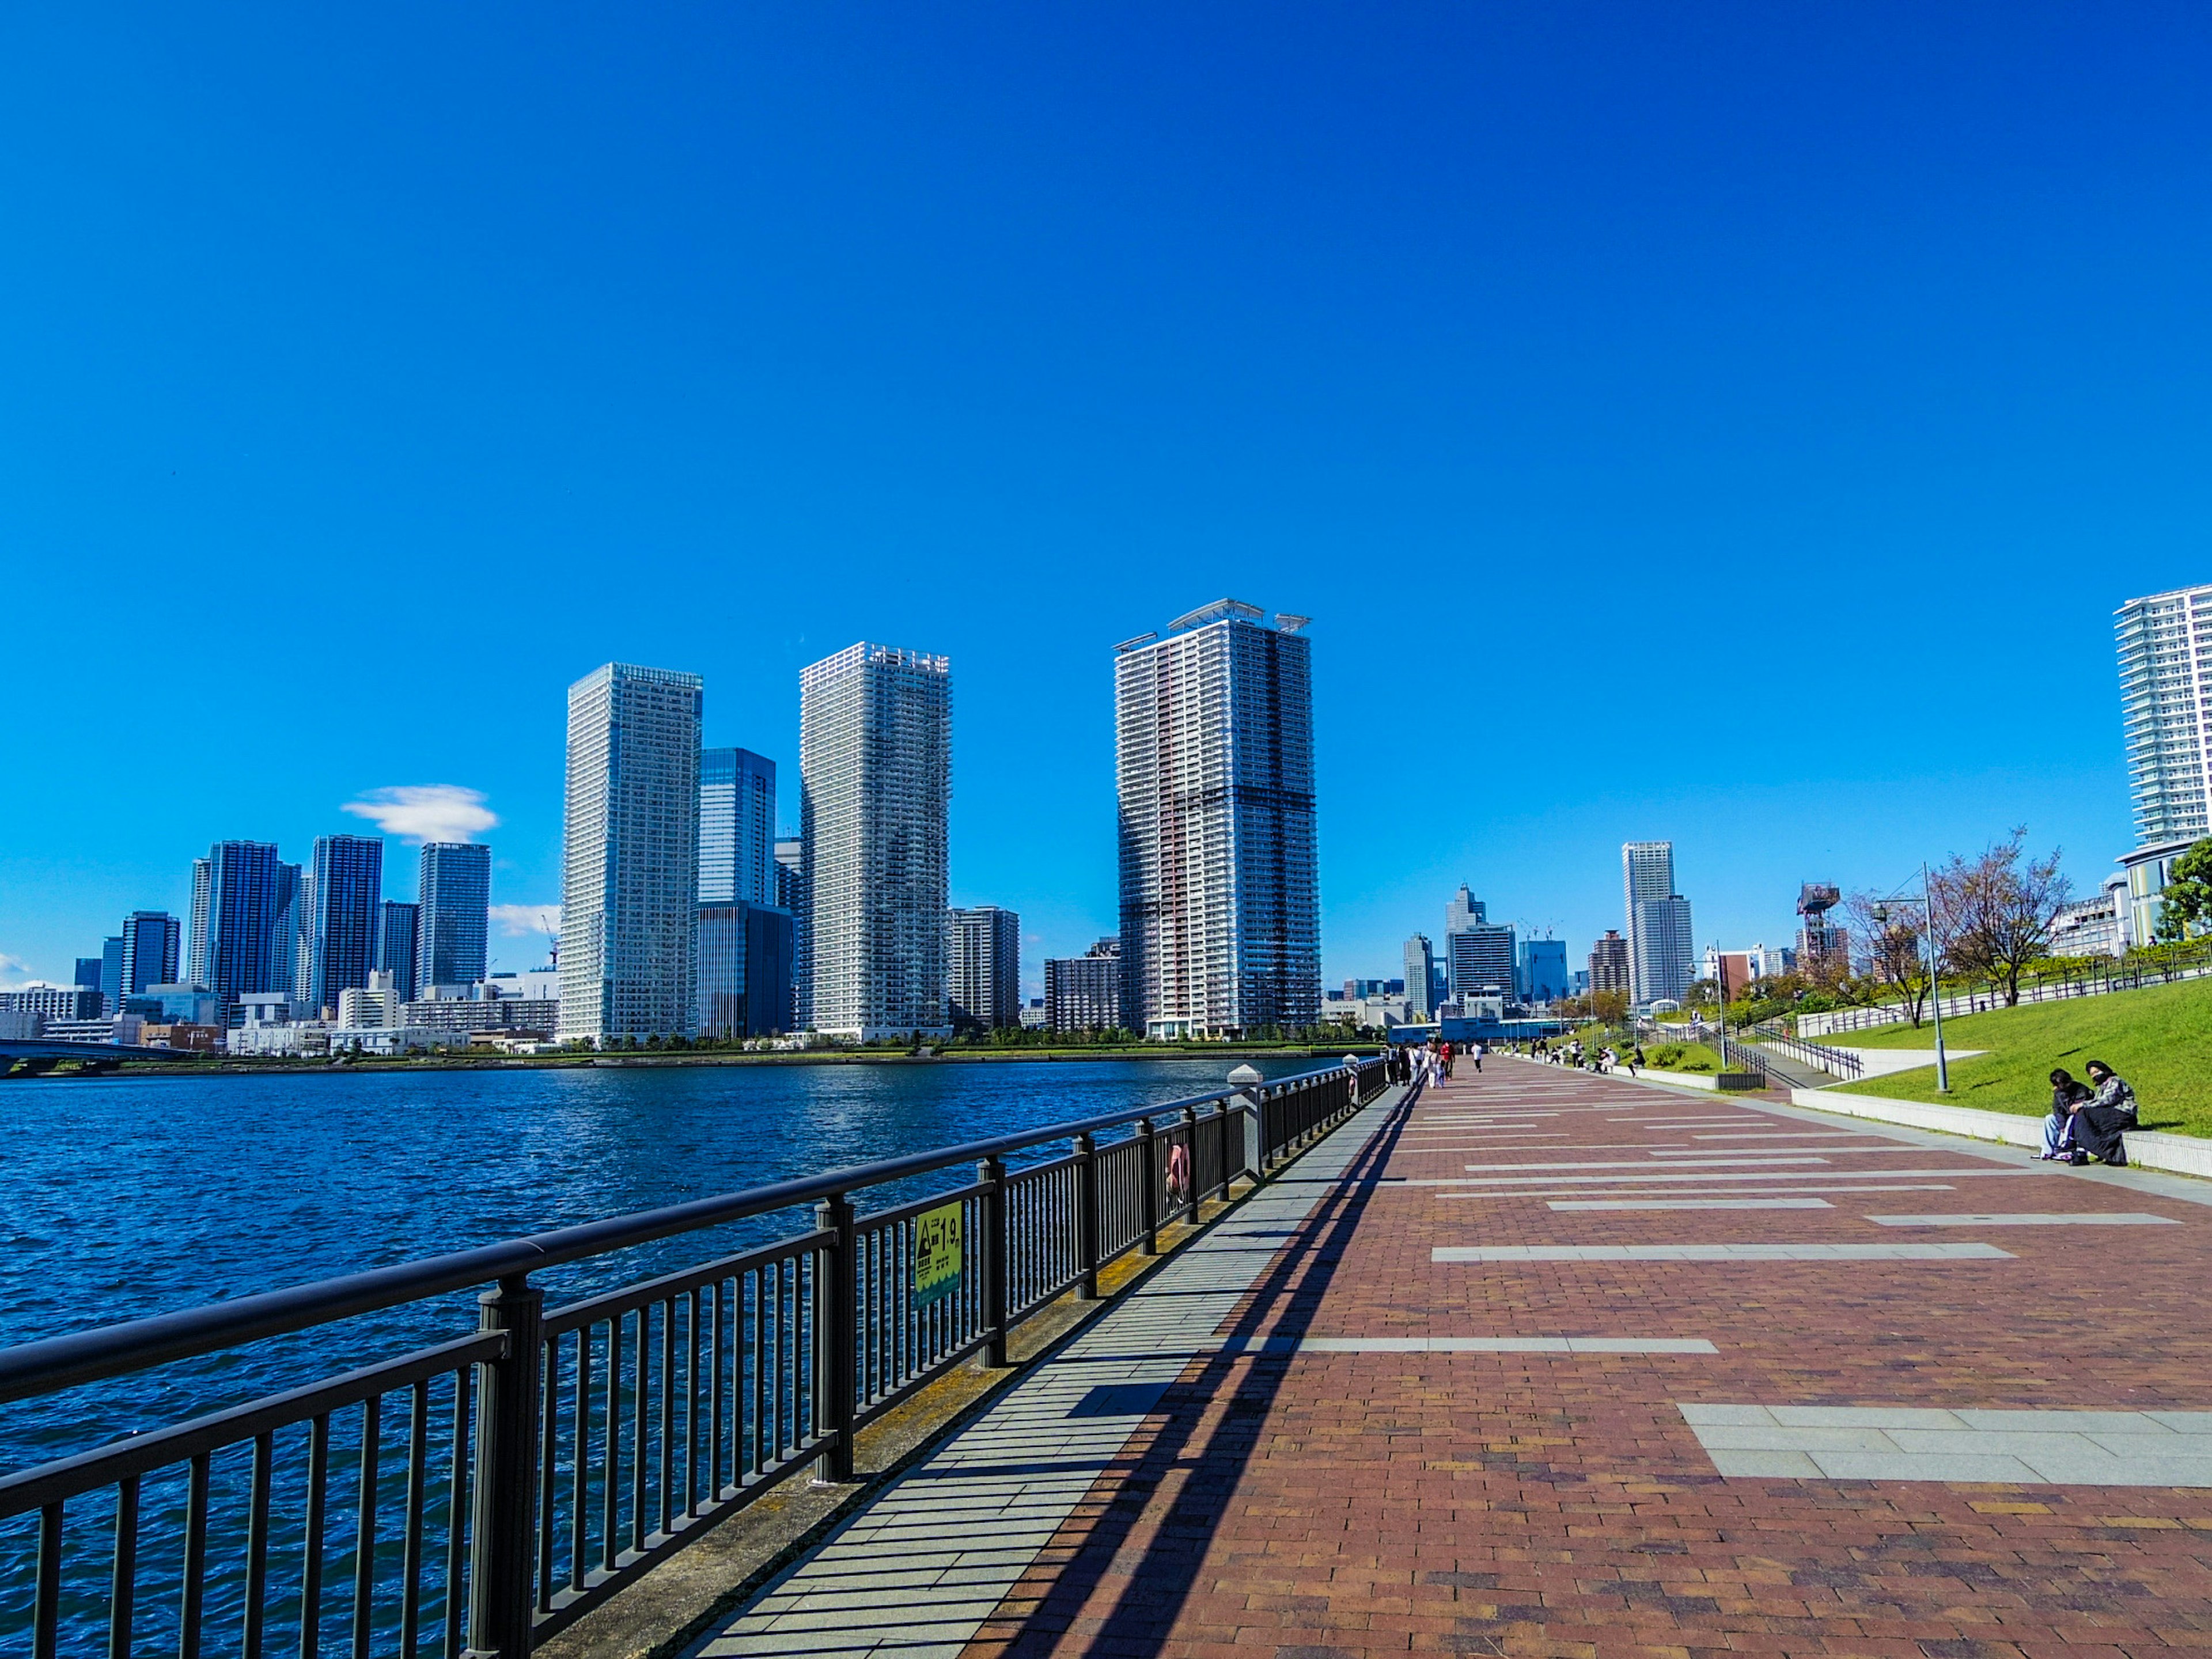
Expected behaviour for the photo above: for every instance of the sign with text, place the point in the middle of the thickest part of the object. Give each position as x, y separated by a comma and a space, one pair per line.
936, 1255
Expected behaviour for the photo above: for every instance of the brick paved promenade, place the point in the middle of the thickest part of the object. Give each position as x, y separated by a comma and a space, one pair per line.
1558, 1366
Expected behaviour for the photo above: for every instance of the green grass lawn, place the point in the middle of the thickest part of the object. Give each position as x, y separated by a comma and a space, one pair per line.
2160, 1039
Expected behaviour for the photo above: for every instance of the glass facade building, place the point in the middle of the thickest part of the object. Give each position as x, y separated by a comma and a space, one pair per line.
745, 970
1220, 892
629, 871
737, 827
875, 784
249, 921
150, 944
1647, 877
398, 940
1544, 969
453, 914
345, 884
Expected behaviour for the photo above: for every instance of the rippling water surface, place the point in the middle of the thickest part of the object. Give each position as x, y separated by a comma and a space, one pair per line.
121, 1197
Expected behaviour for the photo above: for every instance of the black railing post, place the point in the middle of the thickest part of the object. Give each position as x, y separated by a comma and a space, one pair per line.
1222, 1118
1190, 1161
1086, 1217
504, 1537
992, 1174
1149, 1185
835, 1369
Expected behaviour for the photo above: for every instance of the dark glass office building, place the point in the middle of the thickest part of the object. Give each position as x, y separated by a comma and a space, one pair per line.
249, 937
344, 888
151, 943
745, 970
454, 906
398, 935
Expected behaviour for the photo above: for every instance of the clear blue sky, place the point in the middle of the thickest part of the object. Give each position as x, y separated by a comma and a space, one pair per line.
1595, 376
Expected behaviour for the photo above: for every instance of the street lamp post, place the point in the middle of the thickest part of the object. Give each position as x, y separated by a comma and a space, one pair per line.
1927, 903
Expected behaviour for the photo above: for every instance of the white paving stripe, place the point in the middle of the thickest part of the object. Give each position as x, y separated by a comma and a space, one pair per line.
918, 1570
1675, 1193
1700, 1160
1451, 1253
1692, 1204
2118, 1218
1716, 1177
1921, 1443
1505, 1344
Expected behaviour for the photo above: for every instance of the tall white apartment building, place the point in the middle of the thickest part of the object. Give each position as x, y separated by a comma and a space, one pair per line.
875, 782
983, 967
1661, 955
629, 873
2166, 707
1220, 871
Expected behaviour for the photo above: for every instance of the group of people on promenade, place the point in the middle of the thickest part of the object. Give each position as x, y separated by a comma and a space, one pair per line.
1430, 1063
2087, 1119
1572, 1054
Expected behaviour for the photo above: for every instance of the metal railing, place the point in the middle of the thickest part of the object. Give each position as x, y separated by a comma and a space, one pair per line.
478, 1495
2129, 973
1834, 1061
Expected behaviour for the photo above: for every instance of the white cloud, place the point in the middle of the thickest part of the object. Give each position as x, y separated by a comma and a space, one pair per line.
520, 920
426, 812
11, 969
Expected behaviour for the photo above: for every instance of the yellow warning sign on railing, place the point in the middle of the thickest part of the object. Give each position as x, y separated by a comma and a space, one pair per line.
936, 1254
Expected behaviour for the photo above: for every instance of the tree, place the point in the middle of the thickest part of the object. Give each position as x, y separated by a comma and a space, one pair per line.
1894, 960
2186, 905
2000, 909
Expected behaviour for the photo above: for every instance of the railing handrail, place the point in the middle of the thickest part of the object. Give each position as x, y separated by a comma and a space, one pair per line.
61, 1362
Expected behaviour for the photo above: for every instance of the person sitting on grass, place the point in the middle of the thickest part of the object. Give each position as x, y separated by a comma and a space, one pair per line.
2066, 1093
2098, 1125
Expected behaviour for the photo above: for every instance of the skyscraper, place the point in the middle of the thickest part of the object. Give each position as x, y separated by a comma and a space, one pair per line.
737, 827
1219, 870
1543, 969
983, 967
150, 940
345, 885
290, 957
791, 893
1647, 874
397, 932
453, 924
111, 974
2165, 698
629, 873
1609, 964
1479, 956
1664, 944
247, 947
875, 779
196, 940
1420, 977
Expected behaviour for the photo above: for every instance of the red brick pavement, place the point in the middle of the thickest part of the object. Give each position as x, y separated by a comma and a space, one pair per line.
1557, 1507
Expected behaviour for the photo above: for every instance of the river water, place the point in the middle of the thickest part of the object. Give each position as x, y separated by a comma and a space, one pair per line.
122, 1197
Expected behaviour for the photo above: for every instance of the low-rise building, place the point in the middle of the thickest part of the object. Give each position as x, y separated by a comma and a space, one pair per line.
2095, 926
119, 1028
54, 1002
453, 1017
377, 1003
394, 1040
280, 1039
204, 1037
1084, 993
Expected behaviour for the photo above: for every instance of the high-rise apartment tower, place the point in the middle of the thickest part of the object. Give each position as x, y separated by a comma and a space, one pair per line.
2165, 707
983, 967
875, 784
150, 941
1219, 869
629, 873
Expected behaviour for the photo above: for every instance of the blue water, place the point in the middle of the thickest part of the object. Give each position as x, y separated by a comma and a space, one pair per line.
122, 1197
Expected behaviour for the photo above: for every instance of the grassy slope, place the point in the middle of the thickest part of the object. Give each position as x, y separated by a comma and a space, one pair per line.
2160, 1039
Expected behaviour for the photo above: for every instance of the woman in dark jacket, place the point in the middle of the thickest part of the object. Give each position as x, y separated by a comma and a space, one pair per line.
2066, 1094
2099, 1125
